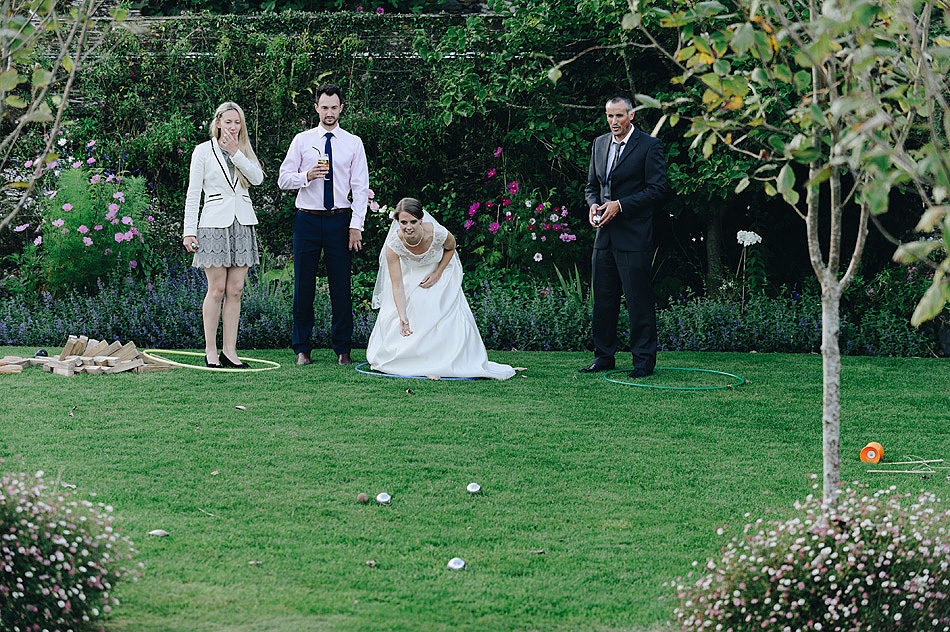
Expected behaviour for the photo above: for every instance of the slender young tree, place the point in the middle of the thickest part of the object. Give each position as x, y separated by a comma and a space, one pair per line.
842, 101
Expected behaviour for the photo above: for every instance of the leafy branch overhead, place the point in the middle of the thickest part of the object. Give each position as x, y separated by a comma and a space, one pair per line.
41, 51
854, 91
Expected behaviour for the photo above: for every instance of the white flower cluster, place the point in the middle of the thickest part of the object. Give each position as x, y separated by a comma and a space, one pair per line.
748, 238
59, 556
876, 562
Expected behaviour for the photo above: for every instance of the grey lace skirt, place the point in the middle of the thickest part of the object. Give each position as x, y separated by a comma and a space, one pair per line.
227, 247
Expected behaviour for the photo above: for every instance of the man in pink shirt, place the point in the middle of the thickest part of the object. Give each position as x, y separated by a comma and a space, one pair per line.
332, 196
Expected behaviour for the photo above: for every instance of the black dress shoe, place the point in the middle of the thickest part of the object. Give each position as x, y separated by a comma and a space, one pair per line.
212, 366
597, 367
638, 373
226, 361
344, 359
303, 358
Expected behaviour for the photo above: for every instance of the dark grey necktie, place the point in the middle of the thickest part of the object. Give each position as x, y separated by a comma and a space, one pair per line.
618, 148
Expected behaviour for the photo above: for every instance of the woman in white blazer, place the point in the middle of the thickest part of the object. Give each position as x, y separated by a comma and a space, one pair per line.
223, 238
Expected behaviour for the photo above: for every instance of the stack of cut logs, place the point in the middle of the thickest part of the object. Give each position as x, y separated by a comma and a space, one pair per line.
84, 355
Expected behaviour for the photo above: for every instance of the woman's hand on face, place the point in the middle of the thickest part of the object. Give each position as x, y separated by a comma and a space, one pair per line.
190, 243
228, 142
404, 328
430, 279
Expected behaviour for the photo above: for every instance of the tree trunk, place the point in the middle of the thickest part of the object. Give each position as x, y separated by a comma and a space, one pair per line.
831, 388
715, 273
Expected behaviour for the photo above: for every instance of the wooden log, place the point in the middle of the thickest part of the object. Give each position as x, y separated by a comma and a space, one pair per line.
10, 368
65, 372
7, 360
39, 361
150, 368
53, 363
111, 349
128, 365
127, 352
93, 350
75, 360
105, 360
92, 369
68, 347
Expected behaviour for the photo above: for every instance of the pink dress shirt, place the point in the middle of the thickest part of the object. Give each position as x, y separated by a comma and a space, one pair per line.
350, 172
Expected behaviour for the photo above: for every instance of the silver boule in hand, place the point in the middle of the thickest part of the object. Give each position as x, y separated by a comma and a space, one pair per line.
597, 219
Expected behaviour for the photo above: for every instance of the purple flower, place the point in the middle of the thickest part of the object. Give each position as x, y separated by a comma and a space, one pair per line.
513, 187
107, 251
150, 218
119, 195
537, 256
91, 161
379, 11
491, 173
83, 229
28, 164
497, 152
58, 222
97, 227
87, 241
133, 264
127, 220
67, 207
493, 227
91, 143
21, 228
119, 238
77, 164
38, 240
94, 179
468, 224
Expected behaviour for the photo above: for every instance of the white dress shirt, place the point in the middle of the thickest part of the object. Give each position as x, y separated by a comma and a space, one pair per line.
350, 172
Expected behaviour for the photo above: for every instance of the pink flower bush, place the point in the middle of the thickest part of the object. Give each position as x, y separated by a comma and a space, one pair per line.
878, 561
60, 556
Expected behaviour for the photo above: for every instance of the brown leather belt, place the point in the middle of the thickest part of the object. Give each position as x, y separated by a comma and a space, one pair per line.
335, 211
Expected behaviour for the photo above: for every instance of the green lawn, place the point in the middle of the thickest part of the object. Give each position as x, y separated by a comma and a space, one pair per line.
620, 487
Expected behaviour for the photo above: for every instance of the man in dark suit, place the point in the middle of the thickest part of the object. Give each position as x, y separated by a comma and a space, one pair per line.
625, 185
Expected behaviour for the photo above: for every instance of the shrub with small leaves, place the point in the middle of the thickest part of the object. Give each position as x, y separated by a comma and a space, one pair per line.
878, 561
60, 557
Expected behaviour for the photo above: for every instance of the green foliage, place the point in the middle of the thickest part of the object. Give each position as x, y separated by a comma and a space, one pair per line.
92, 223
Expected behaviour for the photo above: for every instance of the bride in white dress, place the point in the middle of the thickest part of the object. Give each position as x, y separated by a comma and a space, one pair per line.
425, 326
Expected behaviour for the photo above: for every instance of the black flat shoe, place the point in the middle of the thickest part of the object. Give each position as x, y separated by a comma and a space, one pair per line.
638, 373
226, 361
212, 366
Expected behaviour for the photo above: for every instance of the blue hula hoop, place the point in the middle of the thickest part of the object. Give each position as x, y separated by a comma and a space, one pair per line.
411, 377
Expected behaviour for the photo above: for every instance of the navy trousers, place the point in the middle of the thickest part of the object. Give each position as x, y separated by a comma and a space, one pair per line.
628, 273
331, 234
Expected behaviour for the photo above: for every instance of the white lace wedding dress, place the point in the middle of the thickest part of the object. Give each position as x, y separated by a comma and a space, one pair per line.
445, 341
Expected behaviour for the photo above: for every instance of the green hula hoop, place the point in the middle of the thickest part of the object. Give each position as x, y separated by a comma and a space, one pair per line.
738, 381
149, 353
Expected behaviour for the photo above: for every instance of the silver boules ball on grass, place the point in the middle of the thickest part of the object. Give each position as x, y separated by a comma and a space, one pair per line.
456, 564
383, 498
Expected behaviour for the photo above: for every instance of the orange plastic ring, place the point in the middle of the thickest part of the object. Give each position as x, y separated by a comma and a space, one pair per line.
872, 452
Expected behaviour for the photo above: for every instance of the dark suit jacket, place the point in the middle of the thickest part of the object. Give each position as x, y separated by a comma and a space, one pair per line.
637, 181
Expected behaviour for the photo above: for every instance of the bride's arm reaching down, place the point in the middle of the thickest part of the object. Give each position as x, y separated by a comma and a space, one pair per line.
399, 292
448, 249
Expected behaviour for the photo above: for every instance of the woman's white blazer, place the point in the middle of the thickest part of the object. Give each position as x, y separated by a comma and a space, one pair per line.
225, 197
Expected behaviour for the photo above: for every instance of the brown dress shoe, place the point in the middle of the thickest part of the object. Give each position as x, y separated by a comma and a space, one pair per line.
344, 359
304, 358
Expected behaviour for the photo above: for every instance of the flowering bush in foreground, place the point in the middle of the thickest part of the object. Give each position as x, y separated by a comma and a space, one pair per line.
59, 557
877, 562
